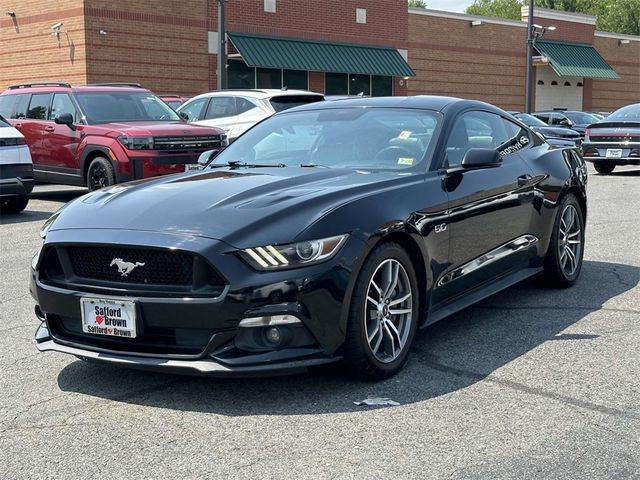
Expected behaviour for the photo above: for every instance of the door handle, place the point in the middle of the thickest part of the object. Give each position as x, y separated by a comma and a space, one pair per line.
17, 125
524, 180
49, 128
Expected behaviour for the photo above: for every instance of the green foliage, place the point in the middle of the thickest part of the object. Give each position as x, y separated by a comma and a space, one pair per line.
417, 4
621, 16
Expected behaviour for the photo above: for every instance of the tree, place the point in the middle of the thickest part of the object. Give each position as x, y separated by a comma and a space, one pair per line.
417, 4
621, 16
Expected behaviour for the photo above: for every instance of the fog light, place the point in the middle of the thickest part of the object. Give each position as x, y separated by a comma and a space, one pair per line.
268, 321
273, 335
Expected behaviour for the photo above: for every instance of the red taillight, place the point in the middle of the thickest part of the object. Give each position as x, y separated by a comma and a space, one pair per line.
635, 153
591, 152
21, 141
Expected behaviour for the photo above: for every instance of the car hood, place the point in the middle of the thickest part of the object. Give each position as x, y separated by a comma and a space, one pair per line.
555, 131
158, 128
240, 206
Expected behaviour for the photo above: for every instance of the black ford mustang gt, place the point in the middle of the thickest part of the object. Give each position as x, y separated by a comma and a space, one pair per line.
329, 232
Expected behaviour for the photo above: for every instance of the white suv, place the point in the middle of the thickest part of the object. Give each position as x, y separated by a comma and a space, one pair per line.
16, 169
235, 111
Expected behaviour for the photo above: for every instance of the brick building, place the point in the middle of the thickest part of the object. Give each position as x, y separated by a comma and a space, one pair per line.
334, 46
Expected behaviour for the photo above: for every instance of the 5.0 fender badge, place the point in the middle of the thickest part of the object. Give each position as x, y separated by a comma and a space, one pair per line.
440, 228
125, 268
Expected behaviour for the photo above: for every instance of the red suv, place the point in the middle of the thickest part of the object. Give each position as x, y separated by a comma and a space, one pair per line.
101, 134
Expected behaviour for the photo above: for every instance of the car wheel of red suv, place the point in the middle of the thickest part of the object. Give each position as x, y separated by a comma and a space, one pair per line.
100, 174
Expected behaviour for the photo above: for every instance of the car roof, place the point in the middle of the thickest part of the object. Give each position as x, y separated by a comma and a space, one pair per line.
258, 93
62, 87
424, 102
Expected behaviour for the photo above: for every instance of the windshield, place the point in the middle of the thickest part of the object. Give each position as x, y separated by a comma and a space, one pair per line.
3, 122
630, 112
363, 138
580, 118
530, 120
112, 106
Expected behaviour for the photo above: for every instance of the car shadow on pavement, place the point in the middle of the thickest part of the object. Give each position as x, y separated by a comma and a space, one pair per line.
24, 216
62, 196
451, 355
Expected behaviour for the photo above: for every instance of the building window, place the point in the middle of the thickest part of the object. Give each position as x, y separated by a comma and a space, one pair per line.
540, 82
239, 75
361, 15
360, 85
270, 6
567, 84
381, 86
295, 79
336, 83
554, 83
269, 78
579, 84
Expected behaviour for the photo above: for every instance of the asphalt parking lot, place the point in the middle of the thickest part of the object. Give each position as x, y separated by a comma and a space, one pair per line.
531, 383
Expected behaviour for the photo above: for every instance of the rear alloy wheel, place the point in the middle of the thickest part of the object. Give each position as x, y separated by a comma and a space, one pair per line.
566, 248
383, 316
604, 167
13, 204
100, 174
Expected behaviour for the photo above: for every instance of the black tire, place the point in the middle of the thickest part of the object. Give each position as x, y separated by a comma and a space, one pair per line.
604, 168
359, 359
556, 265
13, 204
100, 174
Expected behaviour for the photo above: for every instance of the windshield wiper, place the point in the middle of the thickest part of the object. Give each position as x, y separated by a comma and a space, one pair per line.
313, 165
238, 163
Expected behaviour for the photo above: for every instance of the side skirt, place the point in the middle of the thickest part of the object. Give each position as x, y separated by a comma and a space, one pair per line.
478, 294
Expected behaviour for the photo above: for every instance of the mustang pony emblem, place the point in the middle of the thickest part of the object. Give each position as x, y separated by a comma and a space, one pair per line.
125, 268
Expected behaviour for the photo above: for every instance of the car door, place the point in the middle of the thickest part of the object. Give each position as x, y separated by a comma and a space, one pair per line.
491, 209
32, 127
194, 109
60, 143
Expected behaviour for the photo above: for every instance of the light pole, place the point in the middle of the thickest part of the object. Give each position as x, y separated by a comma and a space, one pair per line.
222, 48
533, 33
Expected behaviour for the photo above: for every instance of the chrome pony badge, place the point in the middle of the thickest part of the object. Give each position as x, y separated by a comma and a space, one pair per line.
125, 268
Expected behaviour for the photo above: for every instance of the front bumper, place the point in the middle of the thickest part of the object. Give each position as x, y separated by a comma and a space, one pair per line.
202, 335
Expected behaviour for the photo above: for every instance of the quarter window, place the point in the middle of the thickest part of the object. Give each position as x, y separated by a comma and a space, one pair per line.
39, 106
244, 105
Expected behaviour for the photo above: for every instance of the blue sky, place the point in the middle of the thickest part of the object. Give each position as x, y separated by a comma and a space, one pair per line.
449, 5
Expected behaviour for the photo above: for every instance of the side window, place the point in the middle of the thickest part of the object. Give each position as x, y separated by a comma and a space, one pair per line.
220, 107
244, 105
39, 106
555, 119
7, 104
194, 109
544, 117
519, 139
62, 104
20, 110
475, 130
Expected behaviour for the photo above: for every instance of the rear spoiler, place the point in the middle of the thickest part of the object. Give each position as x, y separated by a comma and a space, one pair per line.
616, 124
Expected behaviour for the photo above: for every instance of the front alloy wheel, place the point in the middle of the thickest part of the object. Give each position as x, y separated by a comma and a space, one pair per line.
384, 314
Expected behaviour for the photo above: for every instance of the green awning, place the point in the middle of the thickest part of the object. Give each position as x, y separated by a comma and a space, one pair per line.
575, 59
303, 54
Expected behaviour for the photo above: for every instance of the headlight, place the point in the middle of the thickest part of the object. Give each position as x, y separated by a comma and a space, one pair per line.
278, 257
136, 143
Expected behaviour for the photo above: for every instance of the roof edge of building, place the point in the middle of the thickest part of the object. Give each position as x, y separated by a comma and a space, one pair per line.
465, 16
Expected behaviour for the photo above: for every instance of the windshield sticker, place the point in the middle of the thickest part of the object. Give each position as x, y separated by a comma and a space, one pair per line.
519, 144
404, 134
405, 161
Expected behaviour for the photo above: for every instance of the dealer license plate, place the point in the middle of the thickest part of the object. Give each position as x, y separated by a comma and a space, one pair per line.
614, 152
188, 167
108, 316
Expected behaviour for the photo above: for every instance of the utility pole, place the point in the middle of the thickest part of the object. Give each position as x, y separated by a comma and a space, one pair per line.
222, 48
527, 94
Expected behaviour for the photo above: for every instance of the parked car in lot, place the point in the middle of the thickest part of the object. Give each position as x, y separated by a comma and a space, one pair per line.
556, 136
599, 115
16, 170
329, 232
99, 135
574, 120
235, 111
614, 140
174, 101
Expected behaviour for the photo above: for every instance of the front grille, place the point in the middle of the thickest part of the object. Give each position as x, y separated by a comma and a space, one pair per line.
138, 270
187, 142
158, 267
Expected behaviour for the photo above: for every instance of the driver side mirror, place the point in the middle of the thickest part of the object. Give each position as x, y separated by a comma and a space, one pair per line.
481, 158
184, 115
65, 119
565, 122
206, 157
